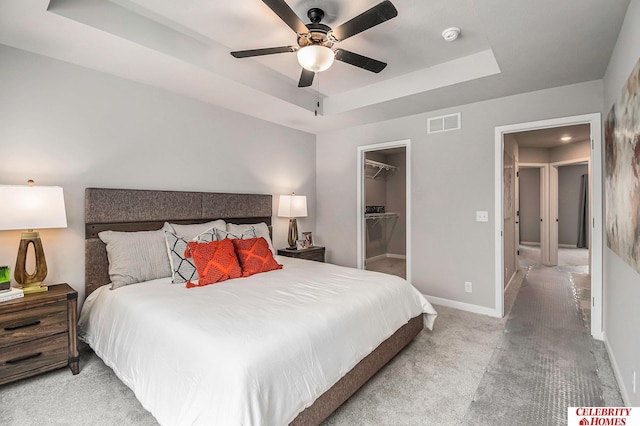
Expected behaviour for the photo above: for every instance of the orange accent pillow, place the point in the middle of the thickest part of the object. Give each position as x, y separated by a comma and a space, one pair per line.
215, 261
255, 256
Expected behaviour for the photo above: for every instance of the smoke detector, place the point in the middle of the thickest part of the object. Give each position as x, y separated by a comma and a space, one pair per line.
450, 34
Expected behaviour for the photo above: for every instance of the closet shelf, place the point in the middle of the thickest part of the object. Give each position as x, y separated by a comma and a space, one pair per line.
378, 169
380, 215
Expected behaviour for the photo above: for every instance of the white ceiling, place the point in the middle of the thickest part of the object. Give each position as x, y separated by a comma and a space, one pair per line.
552, 137
506, 47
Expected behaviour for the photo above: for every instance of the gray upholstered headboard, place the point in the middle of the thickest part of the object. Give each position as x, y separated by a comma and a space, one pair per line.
147, 210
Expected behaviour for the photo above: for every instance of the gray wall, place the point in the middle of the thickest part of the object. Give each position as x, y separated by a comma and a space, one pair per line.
530, 205
569, 185
452, 177
621, 282
70, 126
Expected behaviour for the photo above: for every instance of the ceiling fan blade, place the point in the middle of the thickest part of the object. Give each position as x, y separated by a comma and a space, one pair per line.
282, 9
370, 18
306, 78
360, 61
261, 52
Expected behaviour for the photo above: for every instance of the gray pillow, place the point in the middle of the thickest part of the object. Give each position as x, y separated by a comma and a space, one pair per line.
136, 256
182, 268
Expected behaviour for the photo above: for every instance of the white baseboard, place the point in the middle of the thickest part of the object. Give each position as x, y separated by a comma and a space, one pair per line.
463, 306
396, 256
385, 256
511, 280
616, 372
529, 243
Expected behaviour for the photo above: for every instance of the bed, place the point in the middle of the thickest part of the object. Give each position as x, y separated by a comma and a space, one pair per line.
287, 346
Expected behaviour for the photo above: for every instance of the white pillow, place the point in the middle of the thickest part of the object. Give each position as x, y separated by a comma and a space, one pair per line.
189, 232
261, 230
136, 256
182, 268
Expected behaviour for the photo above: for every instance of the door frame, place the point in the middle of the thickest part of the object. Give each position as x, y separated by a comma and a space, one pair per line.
595, 267
544, 208
361, 202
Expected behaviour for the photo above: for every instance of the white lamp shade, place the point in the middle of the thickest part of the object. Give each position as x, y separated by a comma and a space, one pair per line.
292, 206
315, 58
31, 207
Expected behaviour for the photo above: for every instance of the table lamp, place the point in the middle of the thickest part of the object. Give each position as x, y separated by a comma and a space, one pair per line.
31, 207
292, 206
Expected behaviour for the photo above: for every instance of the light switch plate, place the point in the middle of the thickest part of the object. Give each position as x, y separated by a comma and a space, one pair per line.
482, 216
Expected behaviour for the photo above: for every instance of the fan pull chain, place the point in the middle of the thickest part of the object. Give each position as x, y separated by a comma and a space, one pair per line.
317, 93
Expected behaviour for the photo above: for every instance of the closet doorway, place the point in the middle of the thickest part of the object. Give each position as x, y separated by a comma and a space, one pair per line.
384, 214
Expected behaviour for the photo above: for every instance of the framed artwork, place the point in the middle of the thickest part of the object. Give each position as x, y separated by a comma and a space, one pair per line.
301, 244
307, 236
622, 173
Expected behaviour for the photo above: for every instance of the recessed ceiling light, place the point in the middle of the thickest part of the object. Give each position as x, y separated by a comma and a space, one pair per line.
565, 138
450, 34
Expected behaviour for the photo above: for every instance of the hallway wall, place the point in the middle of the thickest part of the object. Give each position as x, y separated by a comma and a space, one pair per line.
621, 282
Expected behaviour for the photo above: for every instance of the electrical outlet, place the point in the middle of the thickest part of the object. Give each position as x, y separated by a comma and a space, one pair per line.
482, 216
468, 287
633, 380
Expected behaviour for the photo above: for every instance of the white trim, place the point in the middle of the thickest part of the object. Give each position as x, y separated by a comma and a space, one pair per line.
511, 279
384, 256
396, 256
529, 243
616, 372
570, 246
361, 203
595, 175
482, 310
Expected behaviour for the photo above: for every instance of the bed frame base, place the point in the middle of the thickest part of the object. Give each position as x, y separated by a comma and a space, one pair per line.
329, 401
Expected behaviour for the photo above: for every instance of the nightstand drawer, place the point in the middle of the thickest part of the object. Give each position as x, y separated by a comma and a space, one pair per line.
307, 254
312, 253
18, 360
22, 326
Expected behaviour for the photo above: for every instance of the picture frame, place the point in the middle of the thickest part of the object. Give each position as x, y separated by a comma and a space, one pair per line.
301, 244
308, 236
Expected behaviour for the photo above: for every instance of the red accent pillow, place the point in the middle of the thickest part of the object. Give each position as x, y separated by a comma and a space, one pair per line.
215, 261
255, 256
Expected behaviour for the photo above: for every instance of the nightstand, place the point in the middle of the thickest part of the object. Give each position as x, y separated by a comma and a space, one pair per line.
38, 333
312, 253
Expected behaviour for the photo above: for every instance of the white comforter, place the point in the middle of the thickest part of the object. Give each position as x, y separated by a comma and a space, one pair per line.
249, 351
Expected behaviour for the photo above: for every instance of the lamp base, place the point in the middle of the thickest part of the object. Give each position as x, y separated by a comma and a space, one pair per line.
30, 282
293, 233
34, 288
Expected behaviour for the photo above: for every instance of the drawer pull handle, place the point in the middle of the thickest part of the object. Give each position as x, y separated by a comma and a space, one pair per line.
24, 358
16, 327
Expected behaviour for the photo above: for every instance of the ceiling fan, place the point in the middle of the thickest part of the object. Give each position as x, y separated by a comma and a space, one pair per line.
315, 40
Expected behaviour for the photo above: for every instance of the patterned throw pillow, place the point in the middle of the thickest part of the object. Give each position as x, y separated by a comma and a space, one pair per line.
183, 268
215, 261
255, 256
244, 235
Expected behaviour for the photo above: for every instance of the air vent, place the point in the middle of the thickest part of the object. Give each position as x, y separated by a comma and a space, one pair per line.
444, 123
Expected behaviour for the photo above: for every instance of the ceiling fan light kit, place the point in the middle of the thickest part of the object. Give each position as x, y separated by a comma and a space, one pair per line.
316, 40
315, 58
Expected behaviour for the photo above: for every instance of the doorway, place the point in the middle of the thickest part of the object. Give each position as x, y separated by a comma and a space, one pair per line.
384, 213
594, 212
